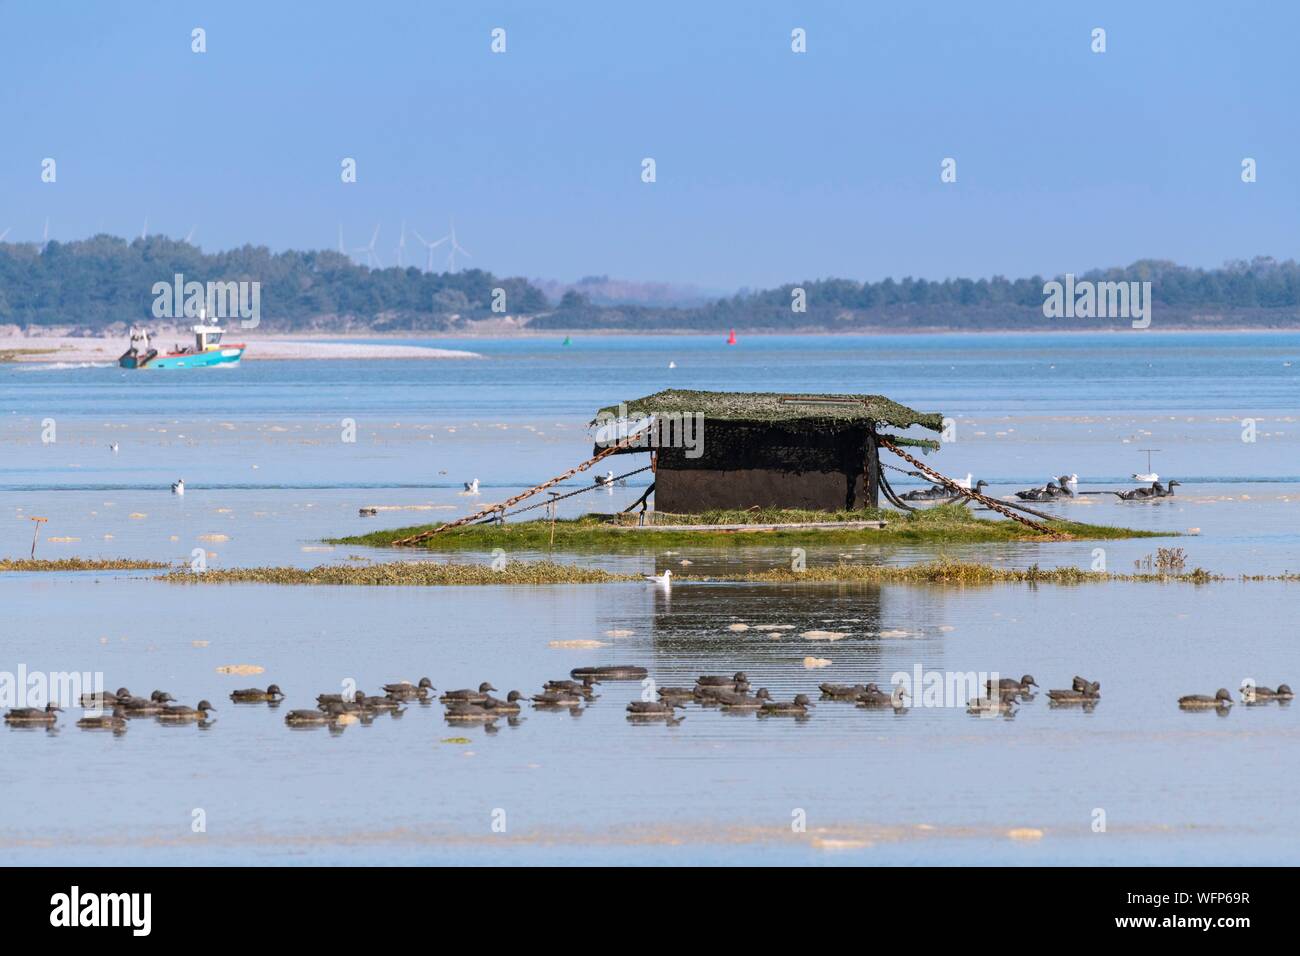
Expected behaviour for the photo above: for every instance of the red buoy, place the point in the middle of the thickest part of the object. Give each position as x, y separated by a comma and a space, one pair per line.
731, 339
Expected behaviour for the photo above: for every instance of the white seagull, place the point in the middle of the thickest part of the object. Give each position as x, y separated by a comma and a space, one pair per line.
113, 446
964, 482
471, 487
178, 486
661, 579
606, 479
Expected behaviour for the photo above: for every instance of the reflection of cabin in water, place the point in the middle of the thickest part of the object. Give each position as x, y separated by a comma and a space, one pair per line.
735, 450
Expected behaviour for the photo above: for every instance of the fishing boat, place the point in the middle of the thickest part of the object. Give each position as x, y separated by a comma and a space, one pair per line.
207, 350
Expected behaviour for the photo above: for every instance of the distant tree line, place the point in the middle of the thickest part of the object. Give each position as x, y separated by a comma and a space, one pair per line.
1261, 292
105, 281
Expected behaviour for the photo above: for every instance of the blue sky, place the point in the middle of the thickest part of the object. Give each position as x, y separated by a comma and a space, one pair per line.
771, 166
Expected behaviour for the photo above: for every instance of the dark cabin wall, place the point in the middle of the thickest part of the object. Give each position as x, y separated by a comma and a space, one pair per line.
695, 490
746, 465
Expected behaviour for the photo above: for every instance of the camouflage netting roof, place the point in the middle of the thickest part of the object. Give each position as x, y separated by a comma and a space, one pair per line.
785, 411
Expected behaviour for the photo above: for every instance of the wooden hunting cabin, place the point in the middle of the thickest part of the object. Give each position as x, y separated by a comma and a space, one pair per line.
738, 450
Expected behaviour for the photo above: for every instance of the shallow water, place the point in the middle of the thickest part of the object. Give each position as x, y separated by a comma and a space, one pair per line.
930, 785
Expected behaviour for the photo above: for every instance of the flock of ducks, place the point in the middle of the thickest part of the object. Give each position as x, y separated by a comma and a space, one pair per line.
731, 694
1063, 486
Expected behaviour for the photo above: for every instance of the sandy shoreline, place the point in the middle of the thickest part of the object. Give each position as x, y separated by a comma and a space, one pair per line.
53, 349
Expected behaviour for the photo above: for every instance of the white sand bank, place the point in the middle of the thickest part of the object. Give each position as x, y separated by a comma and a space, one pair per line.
21, 348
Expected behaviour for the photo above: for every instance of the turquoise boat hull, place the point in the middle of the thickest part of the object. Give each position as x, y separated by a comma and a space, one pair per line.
222, 355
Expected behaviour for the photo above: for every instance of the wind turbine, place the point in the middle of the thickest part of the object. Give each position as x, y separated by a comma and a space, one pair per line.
430, 246
5, 233
401, 247
190, 235
455, 248
45, 234
144, 233
342, 250
372, 258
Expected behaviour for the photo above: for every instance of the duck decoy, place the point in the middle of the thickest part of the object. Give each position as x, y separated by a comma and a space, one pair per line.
609, 672
1072, 696
715, 680
466, 695
390, 704
114, 722
652, 708
405, 690
1004, 704
1221, 700
713, 693
253, 695
878, 698
1254, 694
141, 706
464, 711
179, 713
797, 708
678, 693
557, 698
310, 718
845, 691
1007, 685
586, 686
508, 706
48, 714
744, 702
103, 700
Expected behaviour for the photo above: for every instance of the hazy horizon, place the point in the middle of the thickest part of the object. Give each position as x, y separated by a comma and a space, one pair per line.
772, 166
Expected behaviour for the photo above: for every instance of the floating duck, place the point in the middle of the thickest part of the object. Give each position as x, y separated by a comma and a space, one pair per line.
182, 714
508, 707
1221, 700
467, 695
253, 695
983, 706
471, 487
405, 690
49, 714
1009, 686
465, 712
651, 708
845, 691
178, 486
878, 698
793, 708
115, 722
736, 702
605, 479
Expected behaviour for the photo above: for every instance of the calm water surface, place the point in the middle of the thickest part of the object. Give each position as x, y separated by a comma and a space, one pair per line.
269, 477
